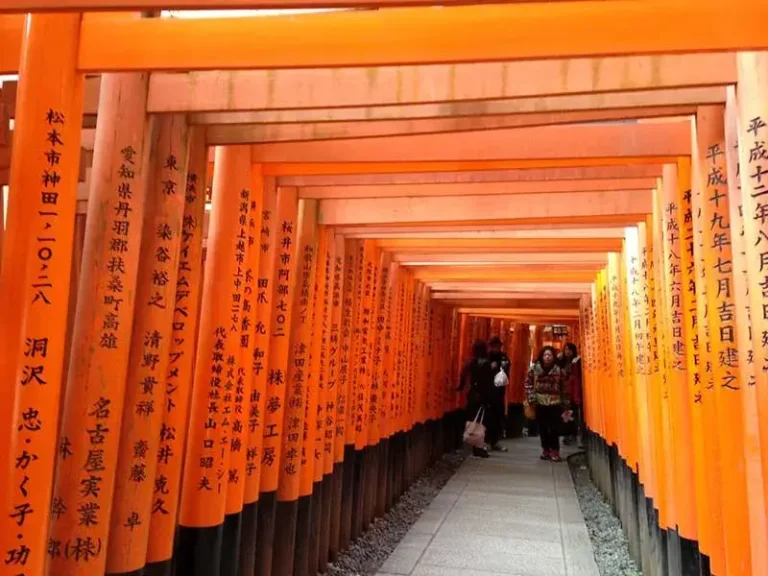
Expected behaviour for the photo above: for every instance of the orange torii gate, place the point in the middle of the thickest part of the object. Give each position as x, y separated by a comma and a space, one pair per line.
625, 227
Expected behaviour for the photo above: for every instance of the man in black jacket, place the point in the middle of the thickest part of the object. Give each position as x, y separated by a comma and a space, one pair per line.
499, 364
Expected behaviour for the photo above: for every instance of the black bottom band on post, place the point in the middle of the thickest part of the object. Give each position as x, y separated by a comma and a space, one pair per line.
286, 515
656, 550
265, 533
315, 527
164, 568
230, 545
674, 561
302, 535
347, 496
323, 551
690, 560
198, 551
371, 485
515, 420
139, 572
334, 542
248, 539
381, 479
389, 479
358, 493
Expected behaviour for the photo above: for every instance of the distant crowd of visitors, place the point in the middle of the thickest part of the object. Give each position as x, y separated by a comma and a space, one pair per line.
553, 398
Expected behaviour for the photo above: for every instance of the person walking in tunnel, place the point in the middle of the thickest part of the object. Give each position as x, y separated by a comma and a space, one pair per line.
479, 374
546, 392
571, 364
500, 366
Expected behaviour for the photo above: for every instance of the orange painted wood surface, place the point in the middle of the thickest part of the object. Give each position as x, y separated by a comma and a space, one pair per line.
461, 34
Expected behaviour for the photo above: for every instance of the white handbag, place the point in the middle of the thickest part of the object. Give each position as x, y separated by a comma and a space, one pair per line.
474, 431
500, 380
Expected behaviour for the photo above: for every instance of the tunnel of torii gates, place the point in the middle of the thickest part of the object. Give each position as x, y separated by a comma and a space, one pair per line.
241, 386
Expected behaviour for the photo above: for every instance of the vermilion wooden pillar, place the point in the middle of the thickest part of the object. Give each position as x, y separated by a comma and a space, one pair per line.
752, 88
261, 330
35, 283
682, 362
310, 476
344, 447
723, 331
294, 413
151, 341
93, 405
758, 515
206, 465
286, 266
178, 388
707, 460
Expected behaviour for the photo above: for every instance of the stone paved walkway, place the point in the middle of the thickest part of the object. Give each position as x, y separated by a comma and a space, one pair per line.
509, 515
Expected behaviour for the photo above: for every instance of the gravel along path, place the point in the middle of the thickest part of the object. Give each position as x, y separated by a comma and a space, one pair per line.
608, 540
366, 554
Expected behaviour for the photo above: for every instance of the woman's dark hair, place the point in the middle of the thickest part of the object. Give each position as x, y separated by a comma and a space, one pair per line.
572, 347
540, 357
479, 349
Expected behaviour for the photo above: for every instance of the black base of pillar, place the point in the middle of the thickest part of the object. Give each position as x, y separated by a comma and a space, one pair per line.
198, 551
690, 560
159, 568
265, 533
230, 545
315, 519
706, 567
358, 492
656, 550
334, 543
302, 534
409, 466
371, 485
382, 479
323, 551
348, 496
285, 537
248, 539
139, 572
392, 471
515, 420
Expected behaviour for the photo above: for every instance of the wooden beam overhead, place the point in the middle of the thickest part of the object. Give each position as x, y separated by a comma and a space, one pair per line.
522, 275
515, 302
368, 168
551, 142
268, 133
491, 299
541, 106
532, 175
479, 229
483, 33
471, 99
248, 90
529, 312
475, 189
481, 234
542, 273
431, 259
499, 245
152, 5
478, 208
510, 287
11, 33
